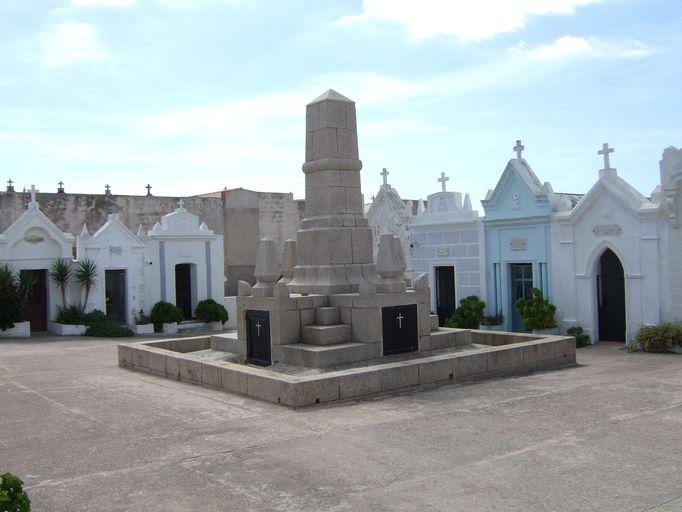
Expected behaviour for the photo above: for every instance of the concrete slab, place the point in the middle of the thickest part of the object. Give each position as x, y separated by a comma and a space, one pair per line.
85, 434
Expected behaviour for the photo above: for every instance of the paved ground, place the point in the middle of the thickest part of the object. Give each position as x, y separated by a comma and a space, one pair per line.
86, 435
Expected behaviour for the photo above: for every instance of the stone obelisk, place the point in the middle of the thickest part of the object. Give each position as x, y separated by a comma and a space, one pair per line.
334, 242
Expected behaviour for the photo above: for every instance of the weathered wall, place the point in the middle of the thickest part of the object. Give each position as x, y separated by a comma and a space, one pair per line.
242, 216
70, 211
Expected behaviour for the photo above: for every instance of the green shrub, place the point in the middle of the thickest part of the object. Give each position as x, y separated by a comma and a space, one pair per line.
164, 313
581, 339
209, 310
71, 315
659, 338
537, 312
468, 315
497, 319
13, 305
13, 498
108, 329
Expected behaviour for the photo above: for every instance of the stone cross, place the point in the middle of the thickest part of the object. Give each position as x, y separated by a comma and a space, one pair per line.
33, 193
605, 150
400, 319
181, 203
10, 182
443, 179
149, 188
519, 149
107, 189
385, 173
61, 184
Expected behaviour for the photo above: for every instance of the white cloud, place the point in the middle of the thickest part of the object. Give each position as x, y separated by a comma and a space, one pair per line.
71, 42
103, 3
467, 20
570, 46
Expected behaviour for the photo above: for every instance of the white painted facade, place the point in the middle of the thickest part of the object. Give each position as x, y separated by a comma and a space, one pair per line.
449, 233
115, 247
33, 242
147, 262
612, 215
181, 239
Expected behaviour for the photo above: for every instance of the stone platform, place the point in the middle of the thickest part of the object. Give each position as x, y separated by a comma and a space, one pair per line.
202, 360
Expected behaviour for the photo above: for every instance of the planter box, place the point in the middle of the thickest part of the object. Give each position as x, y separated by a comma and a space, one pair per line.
171, 328
67, 329
546, 332
497, 328
215, 326
434, 322
20, 330
143, 328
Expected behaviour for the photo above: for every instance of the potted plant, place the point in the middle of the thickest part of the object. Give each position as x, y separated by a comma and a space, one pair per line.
492, 323
165, 317
537, 313
86, 276
143, 324
581, 339
468, 315
61, 275
13, 305
70, 321
212, 313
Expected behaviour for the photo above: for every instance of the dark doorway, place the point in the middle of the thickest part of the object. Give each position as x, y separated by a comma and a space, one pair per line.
183, 289
36, 307
115, 294
258, 337
521, 287
445, 293
611, 297
400, 329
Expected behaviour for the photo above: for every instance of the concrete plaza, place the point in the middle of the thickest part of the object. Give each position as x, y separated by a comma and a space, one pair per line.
87, 435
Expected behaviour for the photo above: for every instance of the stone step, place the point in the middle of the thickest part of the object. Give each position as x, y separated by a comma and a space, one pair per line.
328, 315
314, 356
326, 334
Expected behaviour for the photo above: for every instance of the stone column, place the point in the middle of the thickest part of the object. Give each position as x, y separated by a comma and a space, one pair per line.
334, 242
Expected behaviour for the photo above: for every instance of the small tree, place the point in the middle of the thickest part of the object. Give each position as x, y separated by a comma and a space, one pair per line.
86, 276
537, 312
61, 275
11, 298
468, 315
13, 498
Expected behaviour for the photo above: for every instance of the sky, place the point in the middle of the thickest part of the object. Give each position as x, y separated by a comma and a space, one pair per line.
192, 96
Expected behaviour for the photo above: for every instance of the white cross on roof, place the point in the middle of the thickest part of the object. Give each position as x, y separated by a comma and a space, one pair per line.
605, 150
519, 149
443, 179
385, 174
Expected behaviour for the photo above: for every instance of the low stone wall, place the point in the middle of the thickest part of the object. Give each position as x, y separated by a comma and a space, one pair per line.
173, 359
499, 338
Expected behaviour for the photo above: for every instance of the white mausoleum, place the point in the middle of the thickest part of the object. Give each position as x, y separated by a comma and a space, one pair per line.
30, 245
613, 260
446, 242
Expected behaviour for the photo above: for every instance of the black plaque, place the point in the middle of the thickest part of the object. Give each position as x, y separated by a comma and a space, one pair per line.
400, 329
258, 337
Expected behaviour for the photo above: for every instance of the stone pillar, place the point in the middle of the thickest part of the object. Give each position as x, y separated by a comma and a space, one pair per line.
334, 242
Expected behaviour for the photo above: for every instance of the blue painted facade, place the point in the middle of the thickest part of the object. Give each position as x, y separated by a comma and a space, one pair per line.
517, 240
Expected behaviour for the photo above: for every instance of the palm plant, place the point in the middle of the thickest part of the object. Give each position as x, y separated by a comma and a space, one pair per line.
86, 276
61, 274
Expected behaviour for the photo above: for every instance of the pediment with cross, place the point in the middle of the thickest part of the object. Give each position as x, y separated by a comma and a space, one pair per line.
35, 237
180, 223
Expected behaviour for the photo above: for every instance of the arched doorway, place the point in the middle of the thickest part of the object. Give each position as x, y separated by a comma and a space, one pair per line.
611, 297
